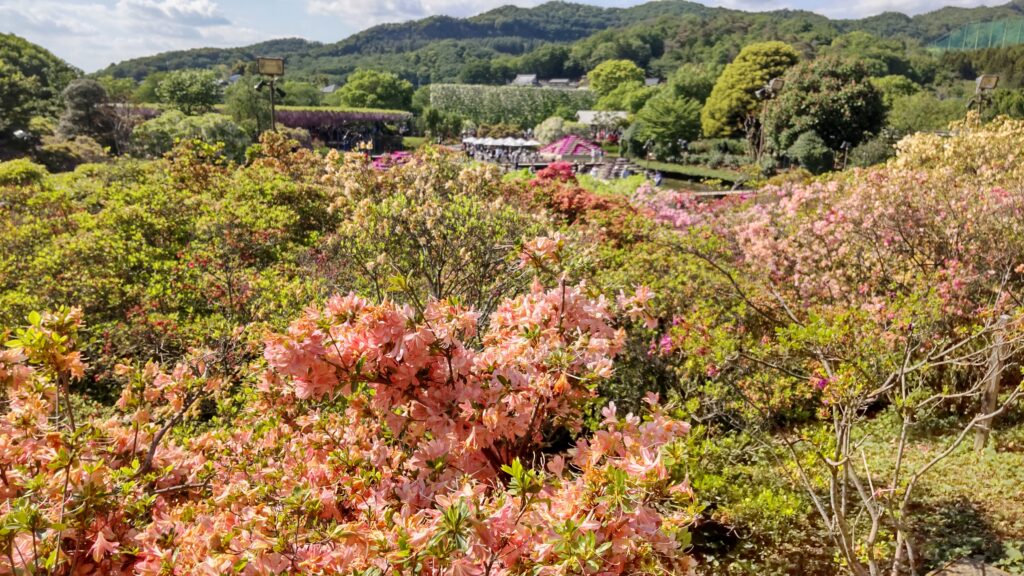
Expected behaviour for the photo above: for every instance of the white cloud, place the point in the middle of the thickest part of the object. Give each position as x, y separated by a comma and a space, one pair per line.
364, 13
186, 12
93, 34
863, 8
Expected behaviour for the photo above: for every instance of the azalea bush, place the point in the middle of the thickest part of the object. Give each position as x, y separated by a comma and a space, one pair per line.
432, 227
892, 289
376, 441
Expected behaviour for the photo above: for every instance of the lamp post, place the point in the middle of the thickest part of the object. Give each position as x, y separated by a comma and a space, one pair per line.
845, 147
766, 93
683, 145
274, 68
984, 86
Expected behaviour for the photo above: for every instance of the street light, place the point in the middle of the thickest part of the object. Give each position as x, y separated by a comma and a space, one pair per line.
845, 147
984, 85
987, 83
766, 93
274, 68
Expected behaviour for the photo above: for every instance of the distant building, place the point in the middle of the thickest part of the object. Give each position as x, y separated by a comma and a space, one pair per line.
602, 117
652, 81
230, 81
329, 89
558, 83
525, 80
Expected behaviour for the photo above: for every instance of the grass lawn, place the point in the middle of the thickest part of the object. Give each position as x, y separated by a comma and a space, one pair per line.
413, 142
697, 172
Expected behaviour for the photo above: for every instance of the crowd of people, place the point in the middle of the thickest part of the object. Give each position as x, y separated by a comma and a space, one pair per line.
515, 158
519, 157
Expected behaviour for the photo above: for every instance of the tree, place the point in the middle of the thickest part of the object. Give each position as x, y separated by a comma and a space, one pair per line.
666, 119
548, 61
628, 96
86, 112
479, 71
31, 81
881, 57
894, 86
609, 75
440, 124
118, 89
191, 91
693, 81
248, 107
830, 96
299, 93
923, 112
732, 99
374, 89
146, 92
17, 98
556, 128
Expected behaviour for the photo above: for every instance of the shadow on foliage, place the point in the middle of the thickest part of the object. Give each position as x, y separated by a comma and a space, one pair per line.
950, 529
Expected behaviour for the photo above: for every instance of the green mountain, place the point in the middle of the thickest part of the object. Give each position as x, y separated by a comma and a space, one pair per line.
564, 39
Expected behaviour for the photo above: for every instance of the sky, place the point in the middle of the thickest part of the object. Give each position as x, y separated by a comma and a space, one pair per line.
94, 33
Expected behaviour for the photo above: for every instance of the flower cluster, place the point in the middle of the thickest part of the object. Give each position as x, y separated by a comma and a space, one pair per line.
381, 439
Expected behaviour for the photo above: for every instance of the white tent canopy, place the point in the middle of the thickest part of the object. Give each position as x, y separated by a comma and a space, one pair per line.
502, 142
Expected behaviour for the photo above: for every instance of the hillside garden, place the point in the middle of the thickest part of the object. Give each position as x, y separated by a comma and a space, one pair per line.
305, 364
228, 349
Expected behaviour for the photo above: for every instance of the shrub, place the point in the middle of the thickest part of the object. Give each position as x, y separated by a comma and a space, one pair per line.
556, 128
377, 435
21, 172
156, 137
811, 152
924, 111
874, 151
62, 155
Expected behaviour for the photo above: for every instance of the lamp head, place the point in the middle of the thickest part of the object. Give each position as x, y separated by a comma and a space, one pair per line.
987, 82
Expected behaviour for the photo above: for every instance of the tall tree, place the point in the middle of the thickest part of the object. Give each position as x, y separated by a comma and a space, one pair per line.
31, 80
831, 96
666, 119
17, 98
298, 93
611, 74
191, 91
248, 107
86, 112
374, 89
732, 99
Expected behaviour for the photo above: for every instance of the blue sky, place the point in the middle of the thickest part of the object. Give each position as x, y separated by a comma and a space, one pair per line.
93, 33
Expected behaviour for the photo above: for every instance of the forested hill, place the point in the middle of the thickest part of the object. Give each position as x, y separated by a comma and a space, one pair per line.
559, 38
